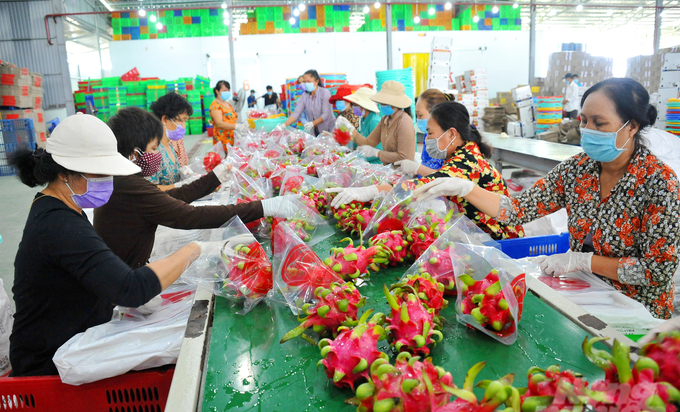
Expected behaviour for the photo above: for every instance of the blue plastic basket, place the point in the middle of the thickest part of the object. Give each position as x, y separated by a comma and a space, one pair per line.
14, 135
534, 246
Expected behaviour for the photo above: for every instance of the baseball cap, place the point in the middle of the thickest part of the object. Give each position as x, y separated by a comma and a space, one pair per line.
83, 143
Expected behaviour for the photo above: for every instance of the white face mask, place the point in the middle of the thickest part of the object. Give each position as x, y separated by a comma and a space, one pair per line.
432, 147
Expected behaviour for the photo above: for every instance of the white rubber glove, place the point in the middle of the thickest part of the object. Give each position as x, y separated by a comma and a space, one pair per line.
242, 128
562, 263
349, 194
187, 181
232, 242
368, 151
210, 248
309, 127
186, 172
408, 166
281, 206
343, 124
668, 326
223, 172
443, 186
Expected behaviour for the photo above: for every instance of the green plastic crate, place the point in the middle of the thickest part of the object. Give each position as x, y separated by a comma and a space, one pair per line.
134, 22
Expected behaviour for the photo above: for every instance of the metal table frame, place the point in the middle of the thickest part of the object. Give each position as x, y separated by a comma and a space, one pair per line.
531, 153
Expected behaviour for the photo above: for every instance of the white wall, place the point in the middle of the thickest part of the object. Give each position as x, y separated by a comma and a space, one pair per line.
270, 59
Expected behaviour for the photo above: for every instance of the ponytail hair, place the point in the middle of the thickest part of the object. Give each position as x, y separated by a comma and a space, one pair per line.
36, 167
453, 115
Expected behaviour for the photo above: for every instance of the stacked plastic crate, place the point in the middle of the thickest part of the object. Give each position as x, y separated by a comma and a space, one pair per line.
506, 18
548, 112
153, 92
195, 123
117, 98
332, 81
136, 94
673, 116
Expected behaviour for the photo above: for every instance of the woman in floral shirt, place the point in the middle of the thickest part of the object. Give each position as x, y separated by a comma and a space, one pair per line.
224, 118
451, 137
623, 202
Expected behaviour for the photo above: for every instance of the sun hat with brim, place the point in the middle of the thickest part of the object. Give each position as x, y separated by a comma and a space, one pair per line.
392, 93
362, 97
85, 144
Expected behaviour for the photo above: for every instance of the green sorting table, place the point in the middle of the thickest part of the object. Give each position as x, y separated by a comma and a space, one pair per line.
245, 368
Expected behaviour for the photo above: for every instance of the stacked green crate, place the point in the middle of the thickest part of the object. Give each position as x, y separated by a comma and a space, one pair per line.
153, 92
195, 124
208, 98
117, 95
201, 83
103, 114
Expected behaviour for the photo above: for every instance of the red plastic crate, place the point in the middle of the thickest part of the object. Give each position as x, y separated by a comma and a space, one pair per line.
145, 391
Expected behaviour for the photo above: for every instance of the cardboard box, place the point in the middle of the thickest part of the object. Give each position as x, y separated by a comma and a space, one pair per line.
439, 69
439, 56
442, 43
528, 129
669, 79
526, 114
504, 97
521, 93
549, 136
524, 103
36, 115
14, 76
36, 79
671, 61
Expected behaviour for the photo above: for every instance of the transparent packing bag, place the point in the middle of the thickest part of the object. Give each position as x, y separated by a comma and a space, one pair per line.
239, 269
490, 299
298, 271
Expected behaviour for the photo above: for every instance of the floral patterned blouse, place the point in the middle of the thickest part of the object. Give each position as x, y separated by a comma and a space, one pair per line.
467, 162
168, 174
180, 151
638, 222
228, 116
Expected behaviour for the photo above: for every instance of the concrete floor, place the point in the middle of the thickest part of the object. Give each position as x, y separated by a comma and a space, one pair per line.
16, 202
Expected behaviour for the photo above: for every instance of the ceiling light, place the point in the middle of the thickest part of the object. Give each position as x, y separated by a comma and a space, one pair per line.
494, 10
367, 9
296, 13
515, 5
431, 11
552, 13
159, 26
447, 6
579, 7
475, 19
301, 7
225, 14
376, 5
142, 12
152, 18
416, 20
582, 21
292, 21
224, 5
226, 22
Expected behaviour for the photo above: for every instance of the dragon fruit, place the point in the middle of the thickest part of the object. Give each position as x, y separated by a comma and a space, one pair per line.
342, 136
430, 292
485, 301
393, 244
347, 357
626, 388
440, 267
665, 350
424, 230
496, 393
293, 184
320, 200
211, 160
351, 262
394, 218
353, 217
337, 306
408, 386
412, 325
302, 228
250, 271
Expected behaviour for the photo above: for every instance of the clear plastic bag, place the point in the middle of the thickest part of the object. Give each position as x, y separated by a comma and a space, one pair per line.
296, 183
489, 298
393, 211
308, 224
203, 165
298, 271
237, 267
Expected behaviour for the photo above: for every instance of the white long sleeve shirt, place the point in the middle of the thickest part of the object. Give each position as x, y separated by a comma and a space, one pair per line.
572, 101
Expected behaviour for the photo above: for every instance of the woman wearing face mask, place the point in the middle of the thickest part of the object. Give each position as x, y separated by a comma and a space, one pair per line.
315, 103
368, 113
66, 278
466, 158
395, 131
622, 201
225, 120
344, 107
128, 222
173, 111
427, 100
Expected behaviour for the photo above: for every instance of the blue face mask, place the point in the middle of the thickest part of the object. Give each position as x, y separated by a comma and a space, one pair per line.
422, 124
601, 146
340, 105
309, 87
269, 93
225, 95
386, 110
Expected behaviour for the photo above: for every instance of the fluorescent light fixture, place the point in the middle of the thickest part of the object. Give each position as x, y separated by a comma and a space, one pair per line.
159, 26
296, 12
108, 7
301, 7
515, 5
431, 11
292, 21
447, 6
142, 12
494, 9
416, 20
152, 18
376, 5
225, 14
224, 5
226, 22
475, 19
579, 7
552, 12
367, 9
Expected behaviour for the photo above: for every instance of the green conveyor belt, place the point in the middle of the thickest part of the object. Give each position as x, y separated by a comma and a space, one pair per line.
248, 370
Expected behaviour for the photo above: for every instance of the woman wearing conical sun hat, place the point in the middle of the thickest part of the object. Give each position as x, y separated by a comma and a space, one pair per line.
395, 131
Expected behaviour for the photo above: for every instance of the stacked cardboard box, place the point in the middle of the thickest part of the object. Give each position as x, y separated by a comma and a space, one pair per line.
590, 69
440, 63
21, 95
494, 119
647, 69
524, 101
669, 82
476, 81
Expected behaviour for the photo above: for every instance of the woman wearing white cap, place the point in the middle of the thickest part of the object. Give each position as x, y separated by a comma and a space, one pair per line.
66, 279
395, 131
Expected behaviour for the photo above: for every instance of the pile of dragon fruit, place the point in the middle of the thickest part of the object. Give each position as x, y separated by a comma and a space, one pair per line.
325, 294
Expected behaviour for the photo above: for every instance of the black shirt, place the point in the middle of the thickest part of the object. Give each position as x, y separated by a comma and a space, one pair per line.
268, 100
65, 280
